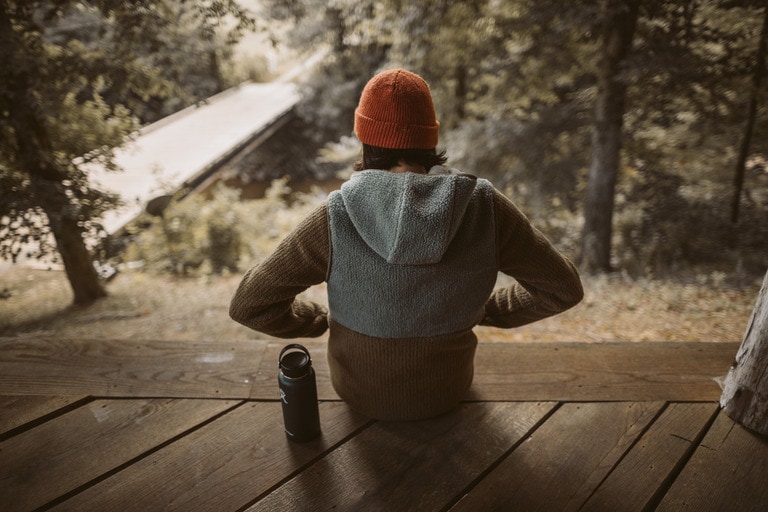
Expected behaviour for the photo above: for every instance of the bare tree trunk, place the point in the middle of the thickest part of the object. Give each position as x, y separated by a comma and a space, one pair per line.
85, 282
460, 92
757, 79
335, 18
745, 392
619, 29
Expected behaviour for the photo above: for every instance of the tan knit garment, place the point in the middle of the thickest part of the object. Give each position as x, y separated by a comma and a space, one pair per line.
400, 379
413, 378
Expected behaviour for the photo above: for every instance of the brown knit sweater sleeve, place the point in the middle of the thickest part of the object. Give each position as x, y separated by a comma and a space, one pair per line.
547, 282
266, 297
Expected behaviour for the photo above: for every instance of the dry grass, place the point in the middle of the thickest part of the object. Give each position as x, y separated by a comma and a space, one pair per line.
143, 306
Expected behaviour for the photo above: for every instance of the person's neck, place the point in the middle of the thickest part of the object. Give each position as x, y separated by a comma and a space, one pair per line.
406, 167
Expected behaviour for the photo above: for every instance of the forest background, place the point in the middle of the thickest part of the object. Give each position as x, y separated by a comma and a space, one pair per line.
633, 133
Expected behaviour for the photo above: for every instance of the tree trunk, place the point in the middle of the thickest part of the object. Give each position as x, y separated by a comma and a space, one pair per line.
746, 141
619, 29
78, 264
460, 93
745, 391
336, 22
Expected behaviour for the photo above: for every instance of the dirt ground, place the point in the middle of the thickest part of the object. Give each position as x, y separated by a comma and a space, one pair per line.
142, 306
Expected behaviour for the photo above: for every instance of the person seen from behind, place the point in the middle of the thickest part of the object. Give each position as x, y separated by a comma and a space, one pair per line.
410, 251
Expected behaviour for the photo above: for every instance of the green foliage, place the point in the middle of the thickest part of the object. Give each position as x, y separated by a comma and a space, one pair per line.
199, 236
248, 67
515, 86
350, 28
76, 78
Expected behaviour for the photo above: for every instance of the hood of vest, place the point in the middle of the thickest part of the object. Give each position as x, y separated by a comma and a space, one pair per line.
408, 218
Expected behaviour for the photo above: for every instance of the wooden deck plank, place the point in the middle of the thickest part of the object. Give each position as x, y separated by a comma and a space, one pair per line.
409, 466
48, 461
604, 446
564, 460
108, 368
603, 371
19, 410
223, 466
633, 485
248, 369
728, 471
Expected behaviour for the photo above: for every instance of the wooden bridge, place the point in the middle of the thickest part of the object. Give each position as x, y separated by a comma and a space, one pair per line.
143, 425
184, 149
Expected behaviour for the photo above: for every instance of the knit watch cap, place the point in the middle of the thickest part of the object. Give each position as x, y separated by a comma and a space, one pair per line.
396, 112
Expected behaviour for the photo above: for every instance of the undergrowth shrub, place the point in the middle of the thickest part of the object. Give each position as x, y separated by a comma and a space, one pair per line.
648, 220
198, 236
662, 229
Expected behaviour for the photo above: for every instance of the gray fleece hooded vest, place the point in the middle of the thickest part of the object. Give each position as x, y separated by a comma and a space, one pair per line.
412, 255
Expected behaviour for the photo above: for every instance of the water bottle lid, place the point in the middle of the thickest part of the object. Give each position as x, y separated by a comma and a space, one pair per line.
294, 360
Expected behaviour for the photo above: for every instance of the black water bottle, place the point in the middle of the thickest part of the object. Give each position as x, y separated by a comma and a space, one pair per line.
298, 393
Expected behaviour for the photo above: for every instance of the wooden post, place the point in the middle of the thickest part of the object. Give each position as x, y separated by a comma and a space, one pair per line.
745, 390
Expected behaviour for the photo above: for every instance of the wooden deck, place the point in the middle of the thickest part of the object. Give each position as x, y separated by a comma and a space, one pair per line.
139, 425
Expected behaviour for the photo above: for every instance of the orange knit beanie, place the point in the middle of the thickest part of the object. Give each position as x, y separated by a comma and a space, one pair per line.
396, 112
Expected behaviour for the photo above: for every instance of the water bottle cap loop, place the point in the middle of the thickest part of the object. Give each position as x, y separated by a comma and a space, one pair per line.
294, 360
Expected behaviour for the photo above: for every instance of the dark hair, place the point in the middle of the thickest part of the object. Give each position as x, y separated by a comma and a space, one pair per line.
384, 158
